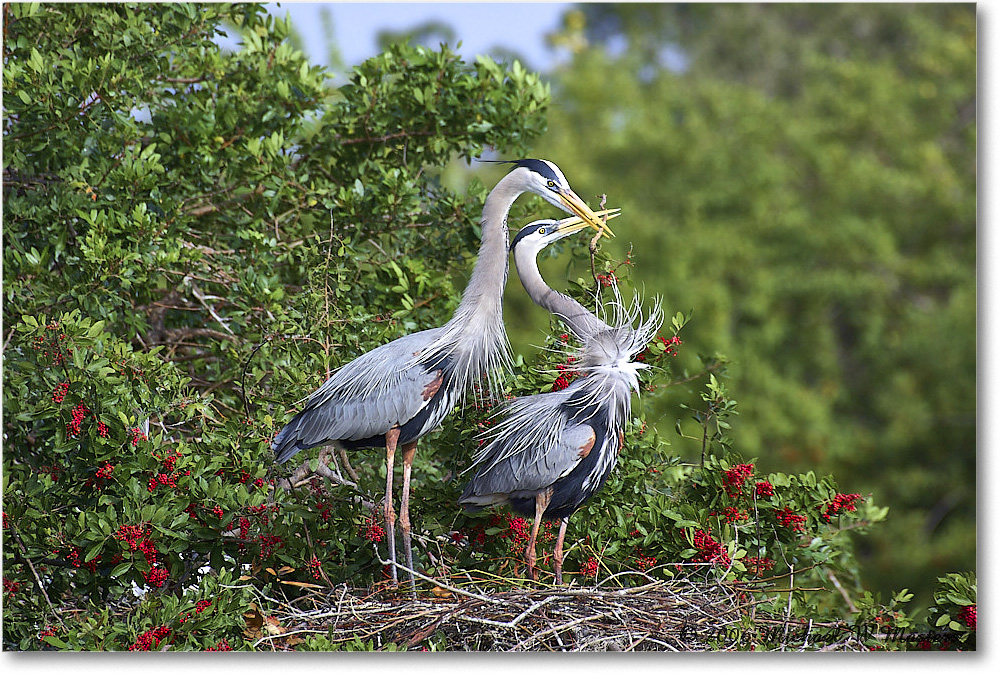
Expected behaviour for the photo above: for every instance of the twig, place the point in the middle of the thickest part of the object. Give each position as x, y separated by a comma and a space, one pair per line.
564, 626
342, 453
201, 298
41, 587
436, 582
843, 593
323, 469
593, 248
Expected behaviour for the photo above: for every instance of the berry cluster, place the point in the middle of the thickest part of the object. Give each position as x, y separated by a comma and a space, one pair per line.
156, 576
788, 518
731, 514
708, 549
38, 344
733, 479
137, 538
244, 524
314, 565
371, 530
566, 374
670, 344
101, 476
221, 646
840, 503
60, 392
80, 413
589, 568
967, 615
150, 639
607, 279
202, 606
133, 535
518, 532
137, 436
73, 556
10, 587
268, 544
764, 489
758, 566
167, 478
644, 562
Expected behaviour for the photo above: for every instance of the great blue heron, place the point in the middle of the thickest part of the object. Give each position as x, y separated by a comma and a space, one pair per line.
548, 453
400, 391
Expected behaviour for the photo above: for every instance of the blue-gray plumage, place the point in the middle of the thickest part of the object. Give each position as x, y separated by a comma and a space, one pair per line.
398, 392
550, 452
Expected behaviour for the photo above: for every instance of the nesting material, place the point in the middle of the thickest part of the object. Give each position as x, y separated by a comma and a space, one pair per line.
676, 615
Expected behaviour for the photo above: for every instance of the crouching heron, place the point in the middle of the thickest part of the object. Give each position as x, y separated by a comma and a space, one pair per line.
393, 395
548, 453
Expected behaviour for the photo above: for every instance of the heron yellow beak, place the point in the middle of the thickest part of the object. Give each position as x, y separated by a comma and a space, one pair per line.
568, 226
576, 205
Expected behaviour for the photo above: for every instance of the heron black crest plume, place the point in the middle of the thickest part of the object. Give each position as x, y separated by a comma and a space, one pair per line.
540, 166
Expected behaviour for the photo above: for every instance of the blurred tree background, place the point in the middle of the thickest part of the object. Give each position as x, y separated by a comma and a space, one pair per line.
804, 178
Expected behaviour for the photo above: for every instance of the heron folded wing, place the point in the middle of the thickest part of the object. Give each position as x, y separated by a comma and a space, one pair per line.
535, 468
366, 397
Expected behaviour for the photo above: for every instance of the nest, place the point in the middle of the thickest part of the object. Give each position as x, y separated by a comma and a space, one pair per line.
676, 615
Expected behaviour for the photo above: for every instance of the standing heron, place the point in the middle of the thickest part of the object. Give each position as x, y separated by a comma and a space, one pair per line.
550, 452
402, 390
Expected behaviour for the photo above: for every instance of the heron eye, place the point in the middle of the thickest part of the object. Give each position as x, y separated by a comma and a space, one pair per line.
551, 183
541, 230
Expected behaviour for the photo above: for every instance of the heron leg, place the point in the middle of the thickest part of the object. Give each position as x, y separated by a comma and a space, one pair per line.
391, 437
541, 503
409, 452
558, 552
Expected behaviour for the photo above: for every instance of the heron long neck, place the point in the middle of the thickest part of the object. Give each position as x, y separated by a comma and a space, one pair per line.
475, 337
483, 297
579, 319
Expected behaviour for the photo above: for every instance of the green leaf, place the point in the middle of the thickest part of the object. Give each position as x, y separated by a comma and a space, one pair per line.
120, 569
93, 552
55, 642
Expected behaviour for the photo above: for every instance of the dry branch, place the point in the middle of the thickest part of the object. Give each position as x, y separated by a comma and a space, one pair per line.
677, 615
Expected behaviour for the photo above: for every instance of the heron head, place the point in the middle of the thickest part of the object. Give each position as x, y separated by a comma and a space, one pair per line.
538, 234
546, 180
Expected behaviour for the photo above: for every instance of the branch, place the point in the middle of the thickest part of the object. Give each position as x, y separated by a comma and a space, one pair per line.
34, 573
201, 298
593, 248
381, 139
178, 334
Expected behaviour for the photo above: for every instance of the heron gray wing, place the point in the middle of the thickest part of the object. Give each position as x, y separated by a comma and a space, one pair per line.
539, 469
529, 469
373, 393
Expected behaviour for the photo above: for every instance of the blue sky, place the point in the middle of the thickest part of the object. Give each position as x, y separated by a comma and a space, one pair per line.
520, 27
